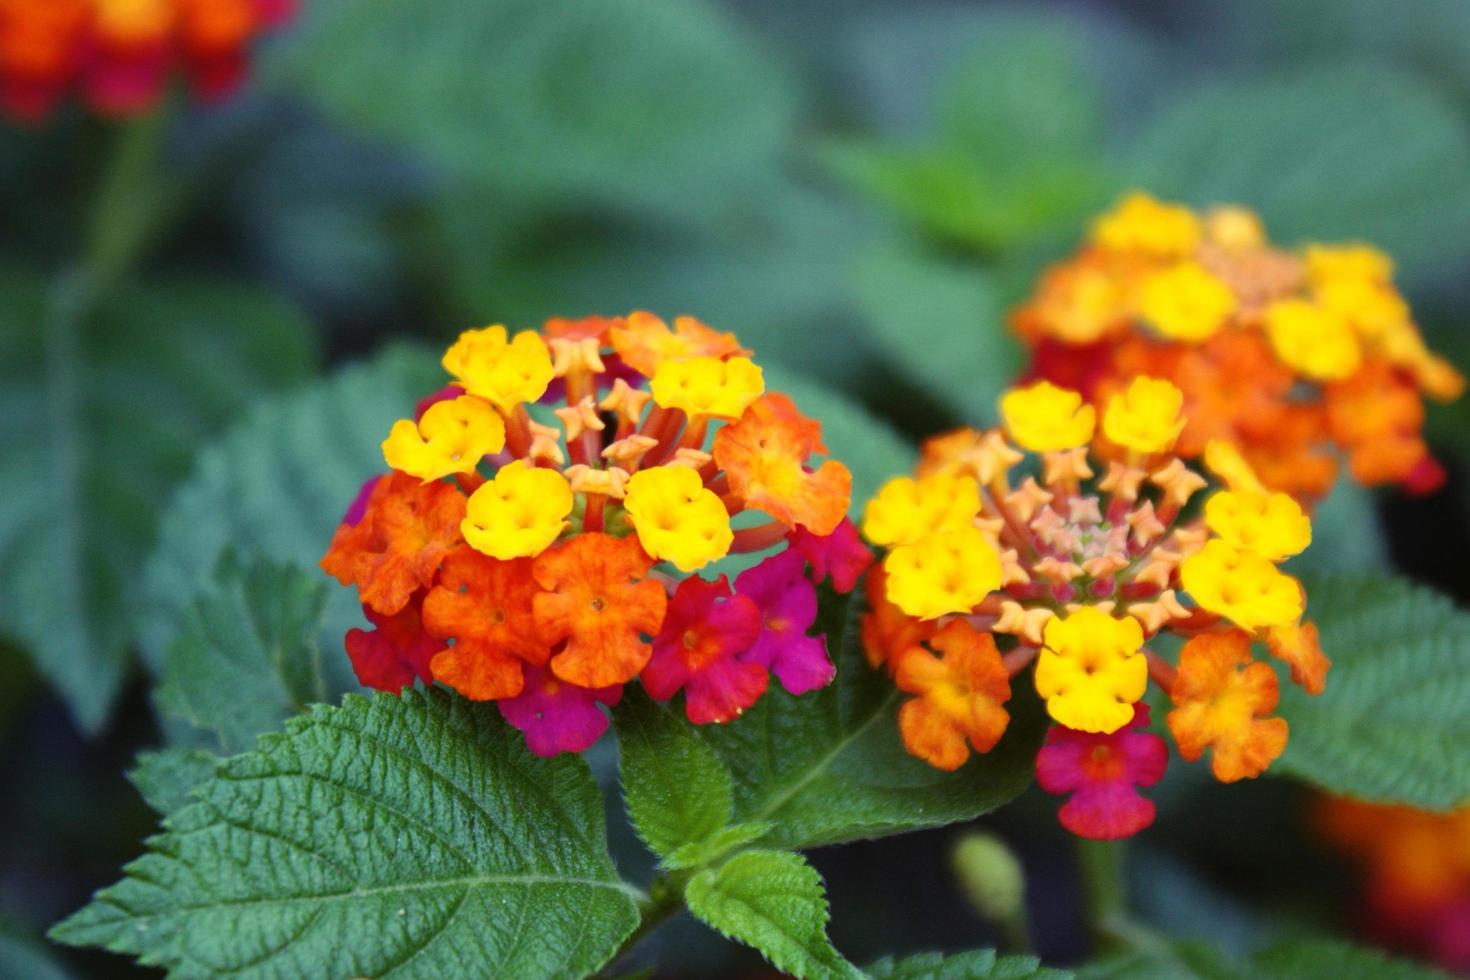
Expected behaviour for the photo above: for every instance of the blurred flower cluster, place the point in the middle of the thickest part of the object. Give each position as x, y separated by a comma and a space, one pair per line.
1295, 357
1077, 567
540, 556
1416, 874
118, 55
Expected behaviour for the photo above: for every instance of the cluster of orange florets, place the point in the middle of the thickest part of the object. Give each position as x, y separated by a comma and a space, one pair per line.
1079, 568
1296, 357
541, 556
119, 54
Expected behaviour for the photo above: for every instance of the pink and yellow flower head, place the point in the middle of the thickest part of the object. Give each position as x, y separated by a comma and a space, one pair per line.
1079, 568
118, 55
545, 565
1299, 358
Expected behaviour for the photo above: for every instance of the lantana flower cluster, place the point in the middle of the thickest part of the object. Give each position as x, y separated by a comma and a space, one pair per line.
536, 540
1415, 871
1079, 548
118, 55
1298, 358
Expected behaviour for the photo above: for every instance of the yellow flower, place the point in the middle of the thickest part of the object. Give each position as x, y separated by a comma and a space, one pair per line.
1091, 670
503, 372
950, 571
1235, 228
1327, 262
1146, 417
1373, 309
1317, 342
1270, 524
1141, 223
708, 386
906, 509
678, 518
519, 513
452, 437
1184, 302
1242, 586
1044, 418
1225, 461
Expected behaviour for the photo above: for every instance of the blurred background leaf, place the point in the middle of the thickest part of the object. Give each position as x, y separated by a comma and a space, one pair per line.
99, 421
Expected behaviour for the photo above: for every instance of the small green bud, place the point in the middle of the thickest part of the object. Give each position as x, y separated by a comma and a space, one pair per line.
991, 877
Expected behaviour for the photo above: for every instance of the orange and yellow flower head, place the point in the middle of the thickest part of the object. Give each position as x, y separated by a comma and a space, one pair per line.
1301, 359
119, 55
539, 539
1074, 540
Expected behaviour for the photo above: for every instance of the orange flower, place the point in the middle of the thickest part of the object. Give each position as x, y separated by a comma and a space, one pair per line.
597, 600
764, 453
959, 698
1377, 414
1222, 697
406, 531
887, 631
484, 604
1300, 646
644, 341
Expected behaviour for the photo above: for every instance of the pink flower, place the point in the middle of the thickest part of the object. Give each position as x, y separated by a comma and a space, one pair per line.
705, 632
1102, 773
557, 716
788, 608
394, 653
358, 507
841, 554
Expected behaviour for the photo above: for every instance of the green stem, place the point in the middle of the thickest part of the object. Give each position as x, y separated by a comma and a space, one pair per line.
1104, 888
665, 899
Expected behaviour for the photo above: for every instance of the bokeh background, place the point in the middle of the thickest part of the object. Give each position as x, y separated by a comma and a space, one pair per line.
858, 188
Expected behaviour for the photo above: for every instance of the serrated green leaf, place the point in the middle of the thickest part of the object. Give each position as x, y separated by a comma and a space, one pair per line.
716, 846
980, 964
1352, 151
275, 487
166, 778
1307, 959
676, 789
775, 902
246, 657
830, 766
941, 323
664, 105
99, 419
1299, 959
1391, 725
414, 836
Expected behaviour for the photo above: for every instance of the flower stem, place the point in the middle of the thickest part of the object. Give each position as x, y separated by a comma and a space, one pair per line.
664, 900
1104, 888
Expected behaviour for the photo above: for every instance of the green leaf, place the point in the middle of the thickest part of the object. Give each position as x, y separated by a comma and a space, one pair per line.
677, 791
830, 766
1017, 147
415, 836
665, 105
1306, 959
716, 846
275, 487
1352, 151
1298, 959
99, 420
981, 964
943, 325
775, 902
1391, 725
246, 657
166, 778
